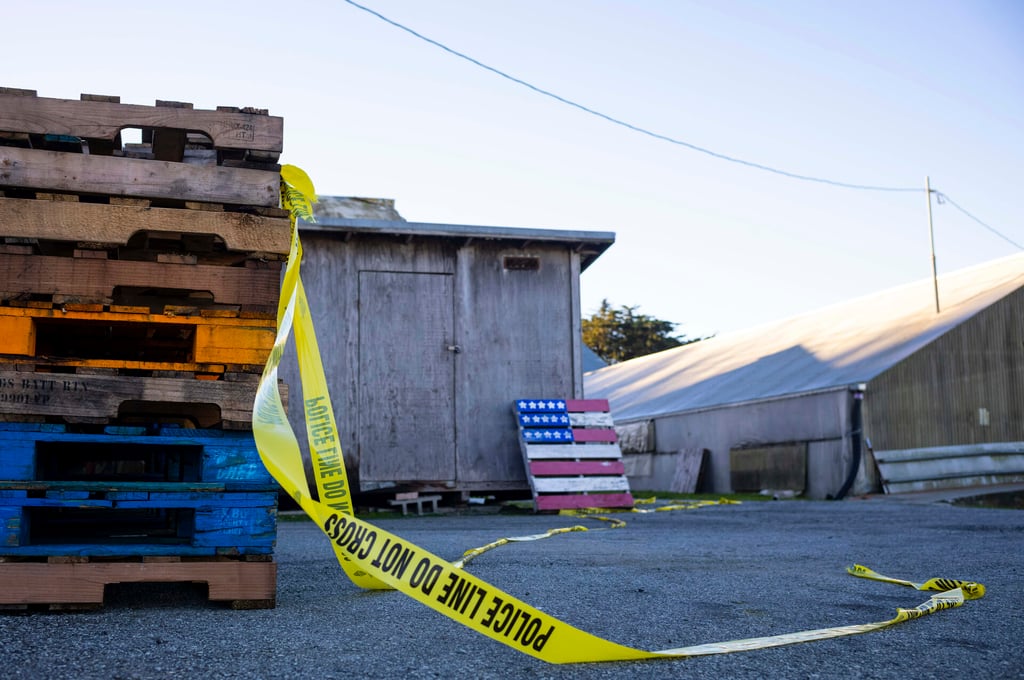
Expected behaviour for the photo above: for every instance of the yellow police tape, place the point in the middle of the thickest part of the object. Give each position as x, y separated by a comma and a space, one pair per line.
376, 559
971, 589
589, 513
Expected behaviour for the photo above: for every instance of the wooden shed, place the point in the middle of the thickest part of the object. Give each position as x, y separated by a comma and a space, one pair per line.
880, 393
429, 332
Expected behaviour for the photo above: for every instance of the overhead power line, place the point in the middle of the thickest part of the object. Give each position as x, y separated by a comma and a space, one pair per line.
635, 128
945, 197
666, 138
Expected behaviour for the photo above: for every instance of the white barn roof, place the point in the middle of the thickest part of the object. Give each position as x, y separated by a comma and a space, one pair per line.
828, 349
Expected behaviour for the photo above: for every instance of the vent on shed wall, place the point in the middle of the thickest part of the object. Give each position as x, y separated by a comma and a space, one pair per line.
521, 264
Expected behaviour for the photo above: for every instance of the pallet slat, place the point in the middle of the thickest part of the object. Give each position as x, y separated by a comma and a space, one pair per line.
576, 467
115, 224
105, 119
110, 176
558, 451
244, 584
207, 456
182, 524
582, 484
150, 341
114, 397
99, 278
577, 502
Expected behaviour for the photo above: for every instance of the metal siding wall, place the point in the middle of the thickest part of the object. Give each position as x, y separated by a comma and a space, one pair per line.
822, 418
932, 398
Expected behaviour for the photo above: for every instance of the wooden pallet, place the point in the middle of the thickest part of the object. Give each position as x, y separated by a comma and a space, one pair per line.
228, 461
124, 519
99, 119
71, 584
132, 178
57, 145
133, 491
571, 454
90, 277
130, 337
117, 222
101, 398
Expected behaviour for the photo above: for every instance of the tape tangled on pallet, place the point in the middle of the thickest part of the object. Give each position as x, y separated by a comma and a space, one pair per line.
376, 559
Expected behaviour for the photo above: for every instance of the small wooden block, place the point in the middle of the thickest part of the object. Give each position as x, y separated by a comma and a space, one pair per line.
108, 98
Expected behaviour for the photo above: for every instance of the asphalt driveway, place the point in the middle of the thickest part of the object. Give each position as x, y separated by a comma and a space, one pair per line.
665, 580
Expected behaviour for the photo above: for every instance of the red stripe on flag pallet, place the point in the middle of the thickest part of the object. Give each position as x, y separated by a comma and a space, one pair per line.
570, 467
604, 500
576, 405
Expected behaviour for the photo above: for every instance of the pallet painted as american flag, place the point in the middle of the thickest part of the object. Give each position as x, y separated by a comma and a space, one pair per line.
571, 453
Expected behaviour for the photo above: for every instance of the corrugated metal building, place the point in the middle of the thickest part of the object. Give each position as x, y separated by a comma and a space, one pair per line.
429, 332
779, 406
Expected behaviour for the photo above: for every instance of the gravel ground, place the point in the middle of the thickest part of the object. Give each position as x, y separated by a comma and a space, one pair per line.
665, 580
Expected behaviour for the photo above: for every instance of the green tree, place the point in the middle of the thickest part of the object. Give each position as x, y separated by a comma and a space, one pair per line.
619, 334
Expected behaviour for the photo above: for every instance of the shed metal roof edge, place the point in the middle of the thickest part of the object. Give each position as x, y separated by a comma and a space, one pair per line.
738, 404
590, 244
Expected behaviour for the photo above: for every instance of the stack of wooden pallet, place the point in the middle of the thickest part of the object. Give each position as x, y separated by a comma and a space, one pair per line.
138, 292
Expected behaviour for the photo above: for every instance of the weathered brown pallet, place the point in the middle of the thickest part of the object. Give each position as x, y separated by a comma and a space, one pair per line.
132, 338
98, 398
69, 583
110, 176
99, 279
113, 224
101, 118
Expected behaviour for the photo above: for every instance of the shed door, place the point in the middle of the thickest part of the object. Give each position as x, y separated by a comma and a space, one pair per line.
406, 377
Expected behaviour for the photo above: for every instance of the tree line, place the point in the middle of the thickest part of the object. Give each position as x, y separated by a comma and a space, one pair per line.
622, 333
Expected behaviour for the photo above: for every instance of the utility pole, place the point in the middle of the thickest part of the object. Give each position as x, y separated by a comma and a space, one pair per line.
931, 238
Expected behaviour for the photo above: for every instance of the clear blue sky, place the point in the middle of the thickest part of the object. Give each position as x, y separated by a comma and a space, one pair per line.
866, 92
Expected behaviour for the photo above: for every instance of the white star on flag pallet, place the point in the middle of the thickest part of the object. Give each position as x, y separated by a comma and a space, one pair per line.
571, 453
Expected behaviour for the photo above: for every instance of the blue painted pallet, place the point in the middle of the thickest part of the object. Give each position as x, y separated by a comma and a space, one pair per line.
136, 522
169, 454
133, 491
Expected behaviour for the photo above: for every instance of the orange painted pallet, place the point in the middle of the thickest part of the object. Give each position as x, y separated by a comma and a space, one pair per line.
80, 582
112, 336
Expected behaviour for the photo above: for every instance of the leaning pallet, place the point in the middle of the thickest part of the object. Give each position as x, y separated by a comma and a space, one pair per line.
138, 292
571, 454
